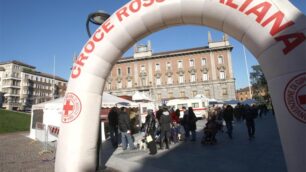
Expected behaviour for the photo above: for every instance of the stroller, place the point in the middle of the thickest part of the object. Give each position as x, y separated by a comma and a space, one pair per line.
210, 131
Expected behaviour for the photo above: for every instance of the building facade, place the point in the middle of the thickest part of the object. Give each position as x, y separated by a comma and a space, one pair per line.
22, 86
176, 74
243, 94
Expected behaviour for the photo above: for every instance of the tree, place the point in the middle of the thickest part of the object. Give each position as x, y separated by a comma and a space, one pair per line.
259, 84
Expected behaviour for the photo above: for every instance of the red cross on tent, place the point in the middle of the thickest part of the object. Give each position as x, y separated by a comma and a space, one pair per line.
302, 99
67, 107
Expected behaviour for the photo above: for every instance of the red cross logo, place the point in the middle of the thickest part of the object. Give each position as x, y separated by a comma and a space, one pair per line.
302, 99
67, 107
72, 107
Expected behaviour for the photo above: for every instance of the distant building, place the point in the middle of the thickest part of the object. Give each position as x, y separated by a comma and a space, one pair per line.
176, 74
243, 94
23, 86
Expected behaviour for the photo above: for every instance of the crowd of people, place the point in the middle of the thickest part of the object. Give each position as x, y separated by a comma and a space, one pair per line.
165, 127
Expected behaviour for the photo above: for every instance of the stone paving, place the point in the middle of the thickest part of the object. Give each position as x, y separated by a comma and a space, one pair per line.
19, 153
263, 154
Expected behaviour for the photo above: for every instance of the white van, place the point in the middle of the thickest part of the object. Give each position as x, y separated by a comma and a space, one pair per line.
199, 106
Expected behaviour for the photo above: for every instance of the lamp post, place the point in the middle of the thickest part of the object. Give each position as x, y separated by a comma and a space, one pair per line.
97, 18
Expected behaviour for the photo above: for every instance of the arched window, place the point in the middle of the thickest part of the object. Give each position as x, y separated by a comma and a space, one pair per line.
222, 75
119, 72
191, 63
205, 77
203, 61
220, 60
157, 67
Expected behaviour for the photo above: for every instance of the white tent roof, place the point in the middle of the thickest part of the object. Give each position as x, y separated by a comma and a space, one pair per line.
138, 96
108, 100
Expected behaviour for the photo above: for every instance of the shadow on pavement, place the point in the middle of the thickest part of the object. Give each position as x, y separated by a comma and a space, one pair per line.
263, 154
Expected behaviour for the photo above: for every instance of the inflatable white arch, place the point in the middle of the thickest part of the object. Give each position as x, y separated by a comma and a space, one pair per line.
273, 30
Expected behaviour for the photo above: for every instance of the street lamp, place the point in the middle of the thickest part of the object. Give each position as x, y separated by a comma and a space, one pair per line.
97, 18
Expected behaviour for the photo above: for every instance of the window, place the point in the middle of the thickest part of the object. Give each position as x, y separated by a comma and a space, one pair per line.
194, 93
119, 72
180, 64
170, 95
205, 77
220, 60
203, 61
224, 91
195, 105
130, 84
129, 70
222, 75
207, 93
142, 69
180, 106
191, 63
119, 85
158, 81
143, 81
181, 79
182, 94
168, 65
157, 67
193, 78
169, 80
109, 86
159, 96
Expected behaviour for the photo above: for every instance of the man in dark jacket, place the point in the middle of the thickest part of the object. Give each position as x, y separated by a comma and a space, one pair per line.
165, 127
228, 116
185, 123
250, 115
125, 129
192, 119
113, 126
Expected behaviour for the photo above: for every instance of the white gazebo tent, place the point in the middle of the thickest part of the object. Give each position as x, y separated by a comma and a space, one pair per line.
49, 113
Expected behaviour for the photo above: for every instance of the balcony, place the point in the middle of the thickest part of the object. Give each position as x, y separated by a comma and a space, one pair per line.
11, 77
180, 71
129, 77
192, 70
169, 72
204, 69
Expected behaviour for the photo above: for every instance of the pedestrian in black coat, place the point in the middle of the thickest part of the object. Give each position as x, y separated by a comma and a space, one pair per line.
192, 119
249, 116
150, 129
113, 126
125, 129
165, 128
228, 116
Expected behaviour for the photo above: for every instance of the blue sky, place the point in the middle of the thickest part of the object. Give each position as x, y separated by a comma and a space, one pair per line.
34, 31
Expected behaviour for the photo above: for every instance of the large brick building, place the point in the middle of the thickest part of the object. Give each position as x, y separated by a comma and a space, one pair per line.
176, 74
21, 86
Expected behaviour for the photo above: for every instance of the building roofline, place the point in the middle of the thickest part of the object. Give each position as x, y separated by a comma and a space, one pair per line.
45, 75
18, 63
175, 53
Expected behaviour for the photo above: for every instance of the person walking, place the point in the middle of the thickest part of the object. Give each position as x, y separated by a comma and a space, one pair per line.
192, 120
150, 132
125, 129
250, 115
165, 127
228, 116
175, 126
184, 123
113, 126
